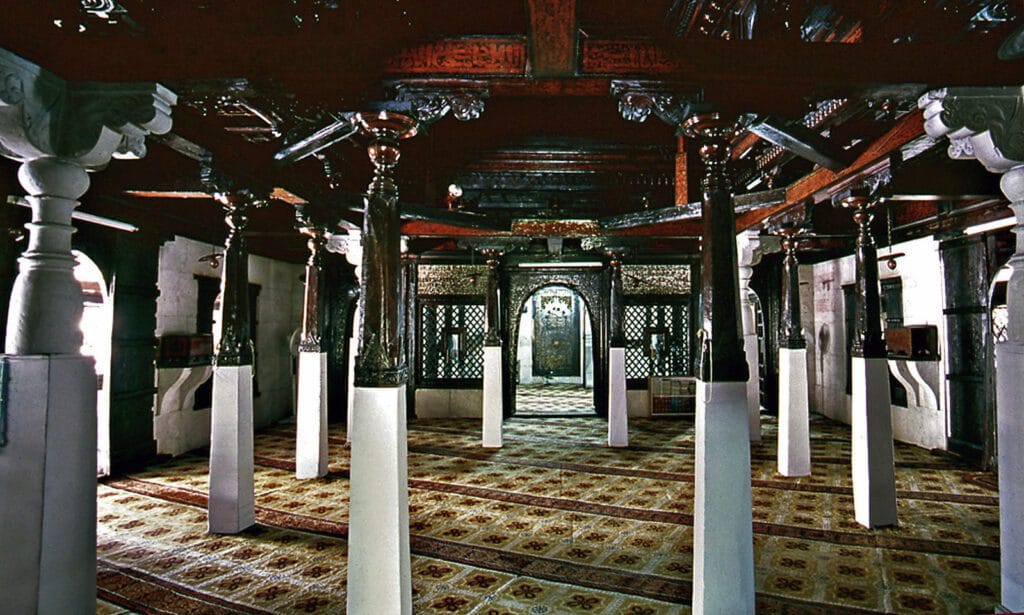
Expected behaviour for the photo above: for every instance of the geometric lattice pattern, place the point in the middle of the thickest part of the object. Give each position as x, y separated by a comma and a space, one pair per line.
657, 340
452, 342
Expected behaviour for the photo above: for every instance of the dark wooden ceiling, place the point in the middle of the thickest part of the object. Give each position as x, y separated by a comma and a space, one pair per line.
255, 76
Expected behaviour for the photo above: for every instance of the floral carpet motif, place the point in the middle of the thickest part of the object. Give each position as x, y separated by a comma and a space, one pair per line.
548, 399
553, 522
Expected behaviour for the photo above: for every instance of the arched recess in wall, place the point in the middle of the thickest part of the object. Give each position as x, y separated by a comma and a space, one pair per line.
554, 353
97, 329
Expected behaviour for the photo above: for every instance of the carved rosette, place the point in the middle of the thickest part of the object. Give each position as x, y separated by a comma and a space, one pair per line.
431, 101
380, 360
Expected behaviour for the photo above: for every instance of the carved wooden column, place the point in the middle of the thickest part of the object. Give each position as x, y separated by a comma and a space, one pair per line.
311, 451
723, 542
874, 478
987, 124
232, 497
493, 411
618, 419
59, 132
723, 545
794, 445
379, 580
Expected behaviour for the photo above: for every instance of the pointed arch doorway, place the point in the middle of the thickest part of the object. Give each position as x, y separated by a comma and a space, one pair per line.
555, 354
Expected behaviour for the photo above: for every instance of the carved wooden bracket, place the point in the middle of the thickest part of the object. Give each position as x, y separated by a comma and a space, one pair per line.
982, 123
43, 116
433, 99
638, 100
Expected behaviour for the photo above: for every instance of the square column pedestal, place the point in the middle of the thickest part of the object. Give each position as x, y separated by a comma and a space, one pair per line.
874, 472
723, 537
48, 485
492, 414
379, 578
753, 385
618, 418
1010, 428
232, 500
311, 452
794, 430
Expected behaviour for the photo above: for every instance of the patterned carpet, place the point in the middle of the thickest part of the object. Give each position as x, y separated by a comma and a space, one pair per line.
554, 522
547, 399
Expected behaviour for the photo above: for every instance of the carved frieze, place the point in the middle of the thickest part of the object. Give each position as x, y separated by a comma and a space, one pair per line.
609, 57
451, 279
486, 55
656, 279
41, 115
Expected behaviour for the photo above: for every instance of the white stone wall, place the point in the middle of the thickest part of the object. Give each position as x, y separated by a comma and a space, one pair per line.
924, 420
178, 427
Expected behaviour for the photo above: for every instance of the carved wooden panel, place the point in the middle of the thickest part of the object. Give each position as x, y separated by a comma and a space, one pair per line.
452, 279
656, 279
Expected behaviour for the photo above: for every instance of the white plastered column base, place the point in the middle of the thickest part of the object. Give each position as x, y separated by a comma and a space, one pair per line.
48, 486
794, 446
311, 451
618, 419
723, 539
874, 471
379, 579
492, 414
353, 351
1010, 427
753, 387
232, 501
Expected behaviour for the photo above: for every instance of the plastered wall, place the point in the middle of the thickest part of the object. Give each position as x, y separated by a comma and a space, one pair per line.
924, 420
178, 427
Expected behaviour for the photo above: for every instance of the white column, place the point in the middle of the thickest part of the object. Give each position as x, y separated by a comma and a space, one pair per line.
1010, 414
48, 436
492, 408
232, 505
618, 419
723, 540
794, 447
378, 543
311, 451
874, 482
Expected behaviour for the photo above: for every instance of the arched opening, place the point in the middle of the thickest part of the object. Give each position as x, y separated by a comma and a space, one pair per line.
554, 354
96, 326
